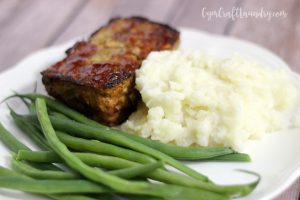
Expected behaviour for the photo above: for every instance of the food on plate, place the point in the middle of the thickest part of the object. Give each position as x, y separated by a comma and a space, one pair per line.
44, 125
97, 76
190, 98
194, 107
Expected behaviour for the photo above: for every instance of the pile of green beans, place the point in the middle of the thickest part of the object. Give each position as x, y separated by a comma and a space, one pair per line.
117, 163
117, 184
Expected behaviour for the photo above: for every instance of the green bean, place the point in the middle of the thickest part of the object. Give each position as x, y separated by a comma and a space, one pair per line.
15, 145
58, 115
102, 148
178, 152
127, 173
139, 197
118, 139
50, 186
159, 175
132, 172
59, 175
40, 174
26, 126
10, 141
241, 157
231, 190
4, 172
118, 184
185, 153
27, 104
11, 180
73, 197
95, 160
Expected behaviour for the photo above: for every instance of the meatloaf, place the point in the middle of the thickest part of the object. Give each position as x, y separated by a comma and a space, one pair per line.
97, 76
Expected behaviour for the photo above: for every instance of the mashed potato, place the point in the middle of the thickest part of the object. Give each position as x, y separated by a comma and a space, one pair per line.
192, 98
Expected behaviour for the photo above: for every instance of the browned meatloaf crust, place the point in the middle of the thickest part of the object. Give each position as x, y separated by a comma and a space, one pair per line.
97, 75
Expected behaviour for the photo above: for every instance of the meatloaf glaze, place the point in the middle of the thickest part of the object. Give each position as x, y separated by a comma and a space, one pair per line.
97, 77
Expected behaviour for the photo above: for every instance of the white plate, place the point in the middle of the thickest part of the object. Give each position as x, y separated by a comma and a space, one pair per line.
275, 157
